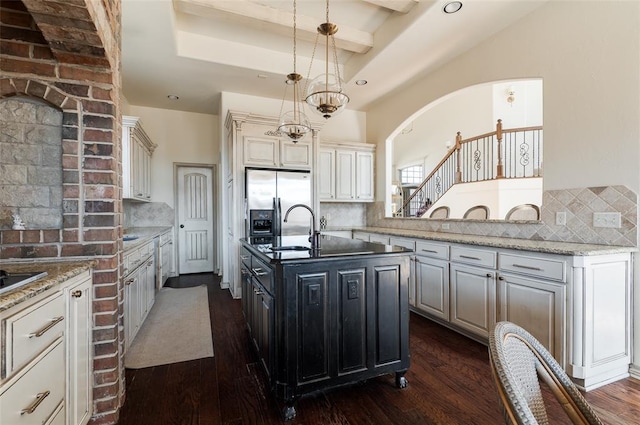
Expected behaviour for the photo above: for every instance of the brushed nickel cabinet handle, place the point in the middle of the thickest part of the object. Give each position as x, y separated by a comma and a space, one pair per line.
50, 325
520, 266
128, 282
76, 294
468, 257
39, 399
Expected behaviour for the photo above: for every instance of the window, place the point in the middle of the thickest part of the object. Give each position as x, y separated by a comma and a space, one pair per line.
411, 175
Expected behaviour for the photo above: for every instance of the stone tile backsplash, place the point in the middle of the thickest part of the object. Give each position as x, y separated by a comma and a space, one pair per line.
343, 214
579, 205
147, 214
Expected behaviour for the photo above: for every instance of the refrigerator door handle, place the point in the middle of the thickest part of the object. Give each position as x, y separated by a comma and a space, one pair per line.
279, 219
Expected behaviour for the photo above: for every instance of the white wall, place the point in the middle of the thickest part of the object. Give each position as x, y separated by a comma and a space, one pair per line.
184, 137
587, 55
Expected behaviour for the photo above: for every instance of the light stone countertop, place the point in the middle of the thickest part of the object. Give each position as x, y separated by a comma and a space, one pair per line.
550, 247
145, 233
57, 273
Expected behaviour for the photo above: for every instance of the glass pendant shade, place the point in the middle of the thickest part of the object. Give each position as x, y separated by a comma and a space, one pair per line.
325, 96
294, 124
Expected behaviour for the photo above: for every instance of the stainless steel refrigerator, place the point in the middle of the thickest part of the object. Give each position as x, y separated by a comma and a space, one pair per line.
275, 191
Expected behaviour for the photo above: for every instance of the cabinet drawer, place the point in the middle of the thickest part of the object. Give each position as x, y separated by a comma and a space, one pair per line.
146, 250
132, 260
377, 238
245, 257
262, 272
478, 257
403, 242
546, 268
165, 238
40, 389
433, 250
31, 330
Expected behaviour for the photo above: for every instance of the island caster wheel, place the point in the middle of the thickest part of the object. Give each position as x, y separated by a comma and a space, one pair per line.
401, 381
288, 413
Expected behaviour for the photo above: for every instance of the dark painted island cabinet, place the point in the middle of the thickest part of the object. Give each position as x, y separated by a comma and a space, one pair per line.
327, 319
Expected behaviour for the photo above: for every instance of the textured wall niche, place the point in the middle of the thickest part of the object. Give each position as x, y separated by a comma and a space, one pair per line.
30, 163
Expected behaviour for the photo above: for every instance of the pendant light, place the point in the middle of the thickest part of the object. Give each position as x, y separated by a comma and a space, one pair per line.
294, 124
324, 93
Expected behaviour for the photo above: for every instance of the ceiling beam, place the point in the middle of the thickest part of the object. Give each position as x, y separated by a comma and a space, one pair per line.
275, 20
402, 6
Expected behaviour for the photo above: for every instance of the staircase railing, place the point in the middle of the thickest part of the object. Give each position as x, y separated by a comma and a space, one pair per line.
503, 153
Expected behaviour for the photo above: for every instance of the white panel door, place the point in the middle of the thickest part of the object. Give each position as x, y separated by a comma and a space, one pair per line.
195, 220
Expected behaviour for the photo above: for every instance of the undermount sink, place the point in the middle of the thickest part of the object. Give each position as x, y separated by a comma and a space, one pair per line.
289, 248
130, 237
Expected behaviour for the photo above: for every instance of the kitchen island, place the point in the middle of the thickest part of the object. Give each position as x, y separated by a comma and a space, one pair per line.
324, 318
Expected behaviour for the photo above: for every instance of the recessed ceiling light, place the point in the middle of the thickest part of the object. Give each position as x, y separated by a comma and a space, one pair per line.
361, 82
262, 76
173, 97
452, 7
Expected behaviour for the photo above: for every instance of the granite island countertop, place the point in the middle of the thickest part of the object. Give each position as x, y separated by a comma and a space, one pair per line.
58, 272
550, 247
279, 249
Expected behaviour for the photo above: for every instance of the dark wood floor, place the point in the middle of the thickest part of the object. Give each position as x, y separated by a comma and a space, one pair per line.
449, 383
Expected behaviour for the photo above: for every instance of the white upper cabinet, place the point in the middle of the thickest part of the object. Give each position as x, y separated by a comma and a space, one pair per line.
277, 153
137, 149
345, 172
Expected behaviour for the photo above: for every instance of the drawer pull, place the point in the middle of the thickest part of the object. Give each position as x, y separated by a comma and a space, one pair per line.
39, 399
429, 250
468, 257
259, 272
76, 294
244, 257
44, 330
129, 282
150, 263
538, 269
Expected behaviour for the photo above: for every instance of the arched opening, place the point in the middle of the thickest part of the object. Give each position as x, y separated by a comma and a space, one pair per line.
424, 141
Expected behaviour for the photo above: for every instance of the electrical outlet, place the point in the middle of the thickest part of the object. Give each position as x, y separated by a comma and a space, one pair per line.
561, 218
446, 226
607, 219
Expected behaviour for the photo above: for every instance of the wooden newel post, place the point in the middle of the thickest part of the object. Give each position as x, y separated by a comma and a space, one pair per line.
500, 167
458, 177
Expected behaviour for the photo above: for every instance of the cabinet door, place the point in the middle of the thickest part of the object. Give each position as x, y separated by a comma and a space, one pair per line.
313, 339
261, 152
132, 305
295, 155
537, 306
326, 174
345, 174
432, 287
352, 317
266, 333
473, 302
364, 176
79, 362
150, 287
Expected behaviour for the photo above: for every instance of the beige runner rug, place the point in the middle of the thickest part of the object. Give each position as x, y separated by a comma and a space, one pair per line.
177, 329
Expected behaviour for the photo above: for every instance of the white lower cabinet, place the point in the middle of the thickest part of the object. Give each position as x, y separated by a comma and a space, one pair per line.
79, 366
46, 376
139, 289
537, 306
473, 299
432, 286
578, 306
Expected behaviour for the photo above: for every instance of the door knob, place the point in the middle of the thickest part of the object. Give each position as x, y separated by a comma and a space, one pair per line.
182, 226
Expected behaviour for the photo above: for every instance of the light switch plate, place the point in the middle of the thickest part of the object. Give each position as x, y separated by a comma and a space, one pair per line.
607, 219
561, 218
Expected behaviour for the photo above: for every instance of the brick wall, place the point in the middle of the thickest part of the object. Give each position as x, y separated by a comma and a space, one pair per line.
67, 53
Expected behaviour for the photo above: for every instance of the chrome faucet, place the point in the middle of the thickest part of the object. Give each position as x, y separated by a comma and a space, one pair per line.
315, 234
